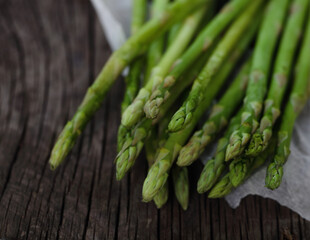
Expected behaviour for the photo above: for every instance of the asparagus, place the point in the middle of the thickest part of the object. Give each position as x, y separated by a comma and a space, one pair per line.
203, 42
158, 173
222, 188
134, 141
151, 144
131, 49
181, 185
230, 180
257, 86
218, 118
157, 46
162, 196
280, 78
157, 135
135, 111
132, 81
216, 166
240, 167
153, 57
134, 76
297, 100
173, 33
184, 115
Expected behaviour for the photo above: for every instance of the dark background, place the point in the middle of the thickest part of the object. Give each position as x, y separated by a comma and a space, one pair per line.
50, 51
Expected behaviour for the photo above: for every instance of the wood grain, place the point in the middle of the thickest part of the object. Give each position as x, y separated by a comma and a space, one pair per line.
50, 52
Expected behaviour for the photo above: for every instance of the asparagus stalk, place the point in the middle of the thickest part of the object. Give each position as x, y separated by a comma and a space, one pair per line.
173, 33
132, 48
297, 100
280, 78
184, 115
216, 166
151, 144
230, 180
157, 46
153, 57
263, 53
158, 173
202, 43
135, 111
155, 140
162, 196
132, 81
218, 119
240, 167
134, 141
134, 76
181, 185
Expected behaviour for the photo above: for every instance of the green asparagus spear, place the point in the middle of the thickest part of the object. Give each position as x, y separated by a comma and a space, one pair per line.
203, 42
157, 46
132, 81
184, 115
280, 78
166, 155
181, 185
263, 53
155, 140
216, 166
230, 180
134, 141
131, 49
133, 78
135, 111
218, 118
297, 100
162, 196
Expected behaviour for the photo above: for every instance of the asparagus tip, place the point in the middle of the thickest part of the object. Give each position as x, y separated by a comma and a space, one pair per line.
222, 188
161, 197
184, 205
155, 180
207, 177
256, 145
52, 166
238, 169
273, 176
151, 108
188, 154
177, 121
232, 150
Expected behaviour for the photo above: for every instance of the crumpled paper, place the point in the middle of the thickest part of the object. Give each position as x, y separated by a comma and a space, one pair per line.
294, 191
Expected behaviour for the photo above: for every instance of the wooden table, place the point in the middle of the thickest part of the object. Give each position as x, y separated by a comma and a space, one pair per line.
50, 51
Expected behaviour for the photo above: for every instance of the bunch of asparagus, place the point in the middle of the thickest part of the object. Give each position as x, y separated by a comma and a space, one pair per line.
249, 57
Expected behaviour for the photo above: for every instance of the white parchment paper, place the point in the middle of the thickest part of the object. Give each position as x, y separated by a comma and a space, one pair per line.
294, 191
